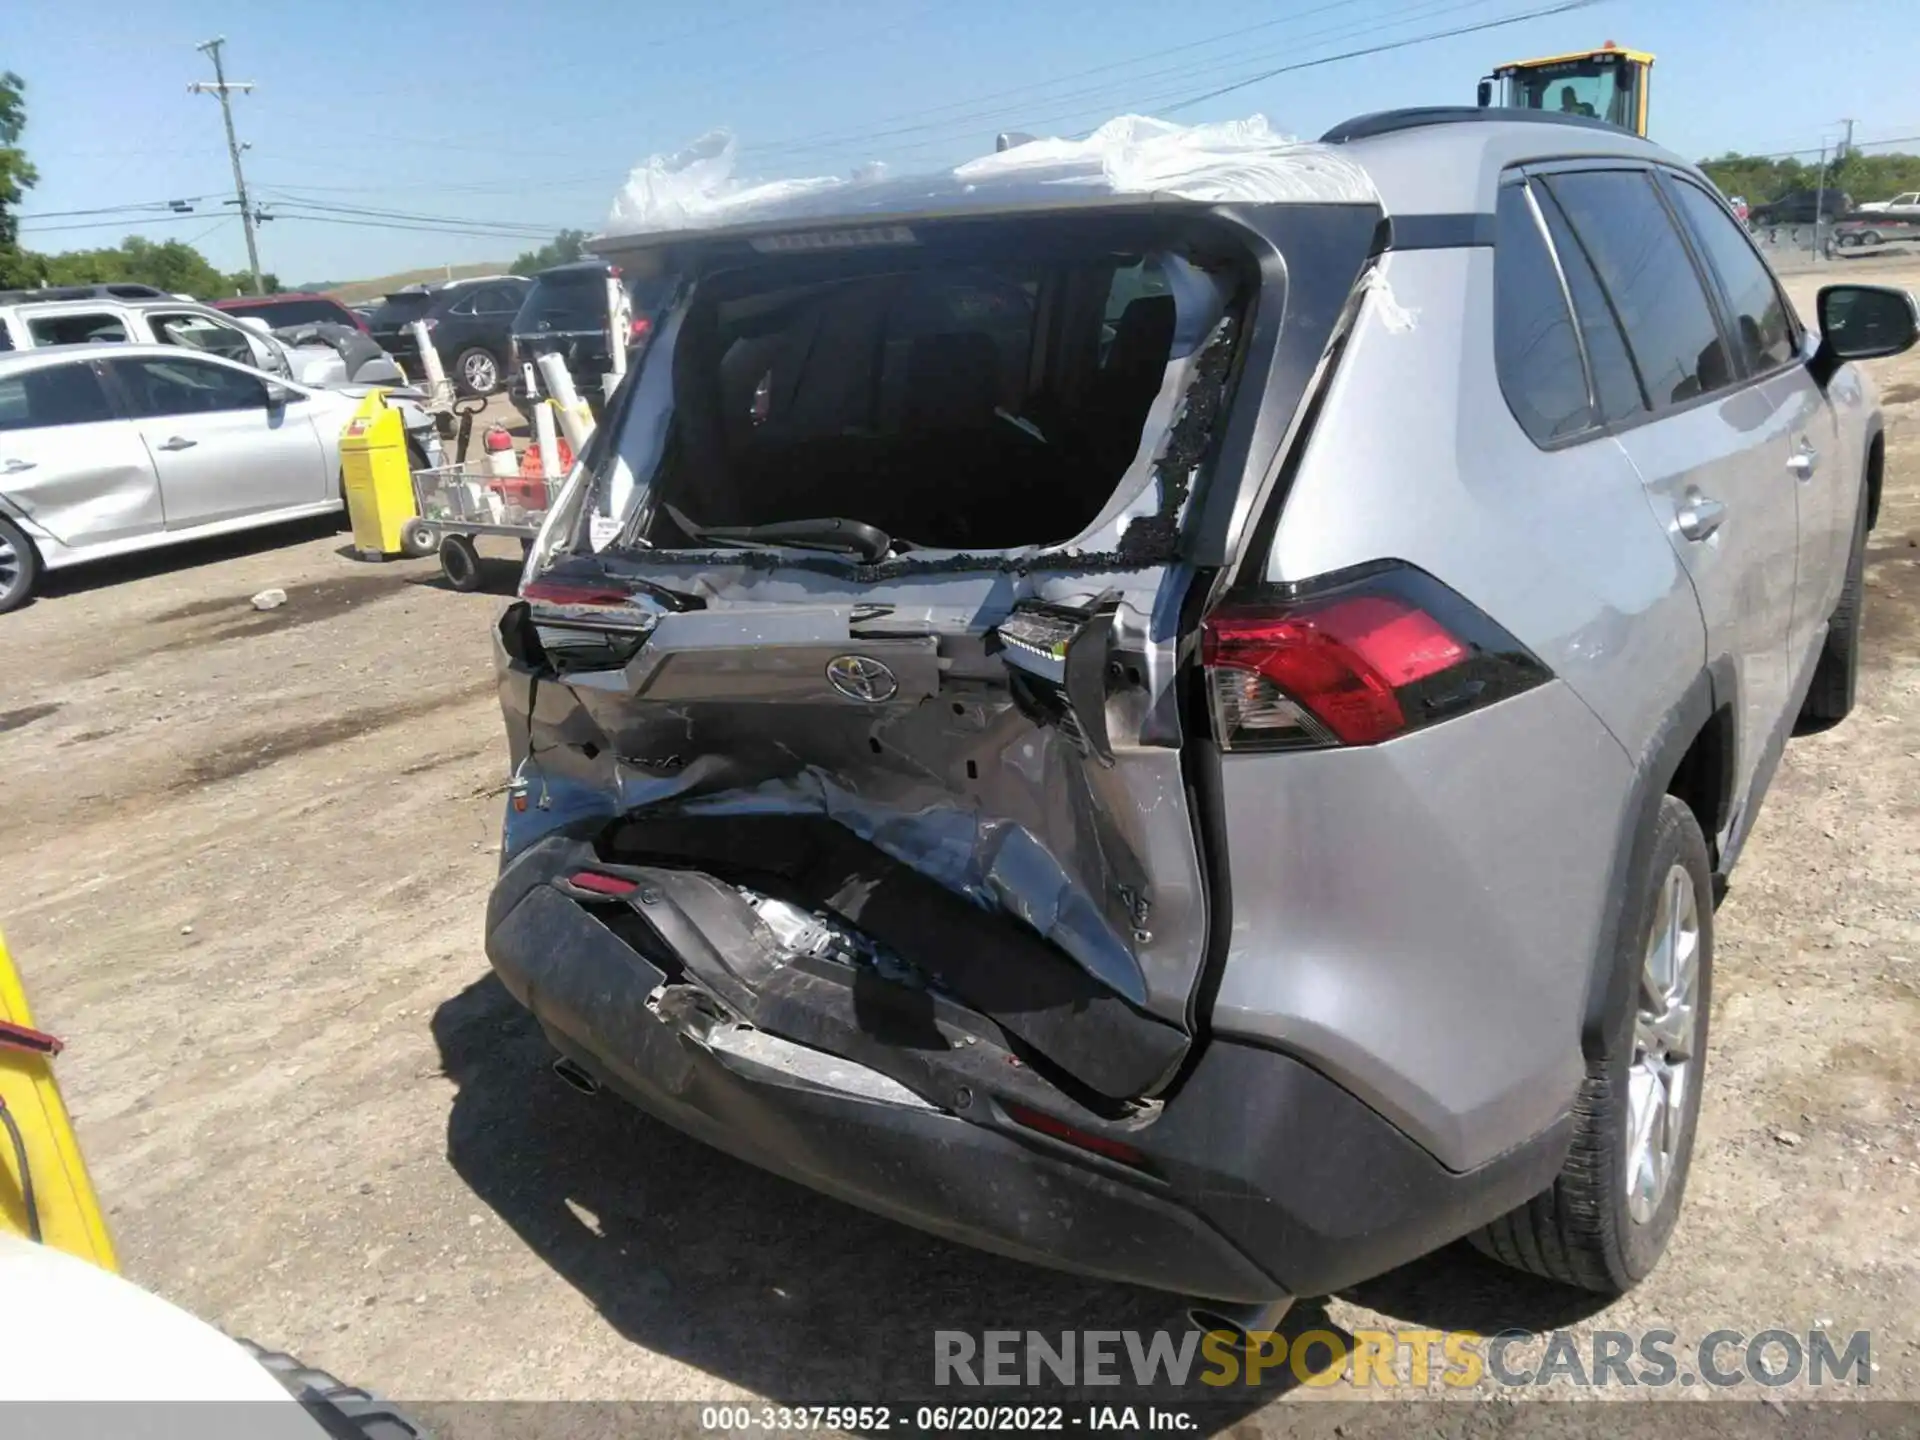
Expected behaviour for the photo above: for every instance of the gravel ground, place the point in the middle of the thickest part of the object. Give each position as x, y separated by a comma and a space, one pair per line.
245, 866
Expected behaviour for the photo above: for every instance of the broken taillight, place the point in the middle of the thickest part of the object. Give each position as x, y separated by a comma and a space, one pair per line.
564, 592
1073, 1135
1354, 661
598, 883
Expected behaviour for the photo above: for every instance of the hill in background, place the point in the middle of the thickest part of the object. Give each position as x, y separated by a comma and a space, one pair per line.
352, 292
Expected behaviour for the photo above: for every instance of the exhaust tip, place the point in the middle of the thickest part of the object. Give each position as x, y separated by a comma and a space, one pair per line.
575, 1076
1241, 1321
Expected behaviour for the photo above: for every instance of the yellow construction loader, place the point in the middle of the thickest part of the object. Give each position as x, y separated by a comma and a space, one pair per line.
1609, 84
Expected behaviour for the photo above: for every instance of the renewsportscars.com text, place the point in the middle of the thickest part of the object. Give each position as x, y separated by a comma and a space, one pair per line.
1459, 1359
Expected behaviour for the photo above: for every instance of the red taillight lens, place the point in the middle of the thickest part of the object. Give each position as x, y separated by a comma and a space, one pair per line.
641, 328
1355, 665
561, 592
598, 884
1073, 1135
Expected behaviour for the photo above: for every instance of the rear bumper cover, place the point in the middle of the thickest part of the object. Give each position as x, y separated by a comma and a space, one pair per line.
1260, 1177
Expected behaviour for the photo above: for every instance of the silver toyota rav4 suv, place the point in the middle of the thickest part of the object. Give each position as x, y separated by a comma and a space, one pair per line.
1186, 721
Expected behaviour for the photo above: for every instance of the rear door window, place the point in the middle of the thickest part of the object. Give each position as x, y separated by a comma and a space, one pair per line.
1616, 385
53, 395
187, 386
86, 327
1536, 352
1650, 278
1762, 322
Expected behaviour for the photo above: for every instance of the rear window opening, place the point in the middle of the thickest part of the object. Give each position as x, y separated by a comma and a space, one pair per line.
284, 314
985, 388
402, 308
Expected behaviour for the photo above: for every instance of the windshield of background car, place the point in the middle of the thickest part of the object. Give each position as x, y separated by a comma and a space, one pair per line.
571, 300
282, 313
986, 391
402, 309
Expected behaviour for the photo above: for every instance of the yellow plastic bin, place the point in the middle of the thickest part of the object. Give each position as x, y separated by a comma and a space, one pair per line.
64, 1206
379, 480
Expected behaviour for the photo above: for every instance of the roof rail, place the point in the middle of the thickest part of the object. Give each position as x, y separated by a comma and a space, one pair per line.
1391, 122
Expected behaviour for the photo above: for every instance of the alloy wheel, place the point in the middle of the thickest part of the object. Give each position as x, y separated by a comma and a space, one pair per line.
1665, 1034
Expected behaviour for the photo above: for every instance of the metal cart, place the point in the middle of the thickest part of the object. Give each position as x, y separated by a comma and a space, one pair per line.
459, 502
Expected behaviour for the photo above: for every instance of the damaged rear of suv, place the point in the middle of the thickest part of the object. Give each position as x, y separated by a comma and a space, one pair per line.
944, 775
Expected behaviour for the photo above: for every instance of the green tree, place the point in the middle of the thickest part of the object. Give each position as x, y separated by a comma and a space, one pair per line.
563, 249
17, 176
171, 266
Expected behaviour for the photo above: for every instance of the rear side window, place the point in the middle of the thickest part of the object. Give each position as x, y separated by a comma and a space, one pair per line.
1764, 333
1650, 278
197, 332
1615, 384
1535, 349
54, 395
80, 329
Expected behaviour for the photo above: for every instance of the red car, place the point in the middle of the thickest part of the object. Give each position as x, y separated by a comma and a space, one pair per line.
292, 308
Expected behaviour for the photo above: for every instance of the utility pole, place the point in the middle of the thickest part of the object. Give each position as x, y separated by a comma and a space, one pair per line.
1846, 146
224, 88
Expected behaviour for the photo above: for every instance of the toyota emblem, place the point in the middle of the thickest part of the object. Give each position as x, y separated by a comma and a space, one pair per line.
860, 677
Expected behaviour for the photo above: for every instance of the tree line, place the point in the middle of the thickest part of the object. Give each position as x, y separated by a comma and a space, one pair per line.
1760, 178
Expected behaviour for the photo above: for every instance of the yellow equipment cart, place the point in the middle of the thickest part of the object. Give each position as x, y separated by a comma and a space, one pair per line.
379, 480
45, 1192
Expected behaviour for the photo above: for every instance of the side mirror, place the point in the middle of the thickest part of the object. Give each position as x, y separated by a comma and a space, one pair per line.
1485, 94
255, 323
279, 395
1862, 322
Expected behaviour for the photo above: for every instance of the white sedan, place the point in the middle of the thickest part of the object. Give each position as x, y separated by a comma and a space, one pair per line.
108, 450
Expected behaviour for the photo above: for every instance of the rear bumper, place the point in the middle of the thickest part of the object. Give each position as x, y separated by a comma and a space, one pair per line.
1258, 1178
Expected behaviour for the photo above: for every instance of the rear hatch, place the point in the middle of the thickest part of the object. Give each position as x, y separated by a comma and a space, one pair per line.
565, 314
389, 325
871, 609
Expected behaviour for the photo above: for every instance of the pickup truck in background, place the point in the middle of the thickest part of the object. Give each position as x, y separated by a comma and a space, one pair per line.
1906, 204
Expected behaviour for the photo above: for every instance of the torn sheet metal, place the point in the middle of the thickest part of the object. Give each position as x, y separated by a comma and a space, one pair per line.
1397, 318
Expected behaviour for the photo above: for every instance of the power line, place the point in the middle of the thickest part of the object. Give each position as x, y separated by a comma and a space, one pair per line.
1124, 92
109, 224
283, 214
1537, 14
116, 209
380, 213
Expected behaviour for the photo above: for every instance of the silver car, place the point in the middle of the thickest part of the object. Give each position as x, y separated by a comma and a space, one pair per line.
1184, 716
108, 450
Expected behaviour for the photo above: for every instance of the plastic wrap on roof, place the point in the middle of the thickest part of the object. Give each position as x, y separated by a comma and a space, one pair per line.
1228, 162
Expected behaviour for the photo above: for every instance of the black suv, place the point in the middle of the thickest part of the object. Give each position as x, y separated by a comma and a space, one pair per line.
565, 313
1797, 207
470, 321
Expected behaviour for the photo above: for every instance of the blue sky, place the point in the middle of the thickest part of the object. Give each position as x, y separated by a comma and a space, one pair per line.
474, 116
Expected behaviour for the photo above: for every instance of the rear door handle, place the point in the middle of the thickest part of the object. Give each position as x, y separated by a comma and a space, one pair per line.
1804, 460
178, 442
14, 467
1700, 516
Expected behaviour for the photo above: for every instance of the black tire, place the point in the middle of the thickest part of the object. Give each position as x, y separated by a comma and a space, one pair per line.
1836, 674
460, 563
1582, 1230
417, 541
19, 567
488, 374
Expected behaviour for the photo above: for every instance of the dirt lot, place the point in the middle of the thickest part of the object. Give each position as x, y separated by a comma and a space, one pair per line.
245, 860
